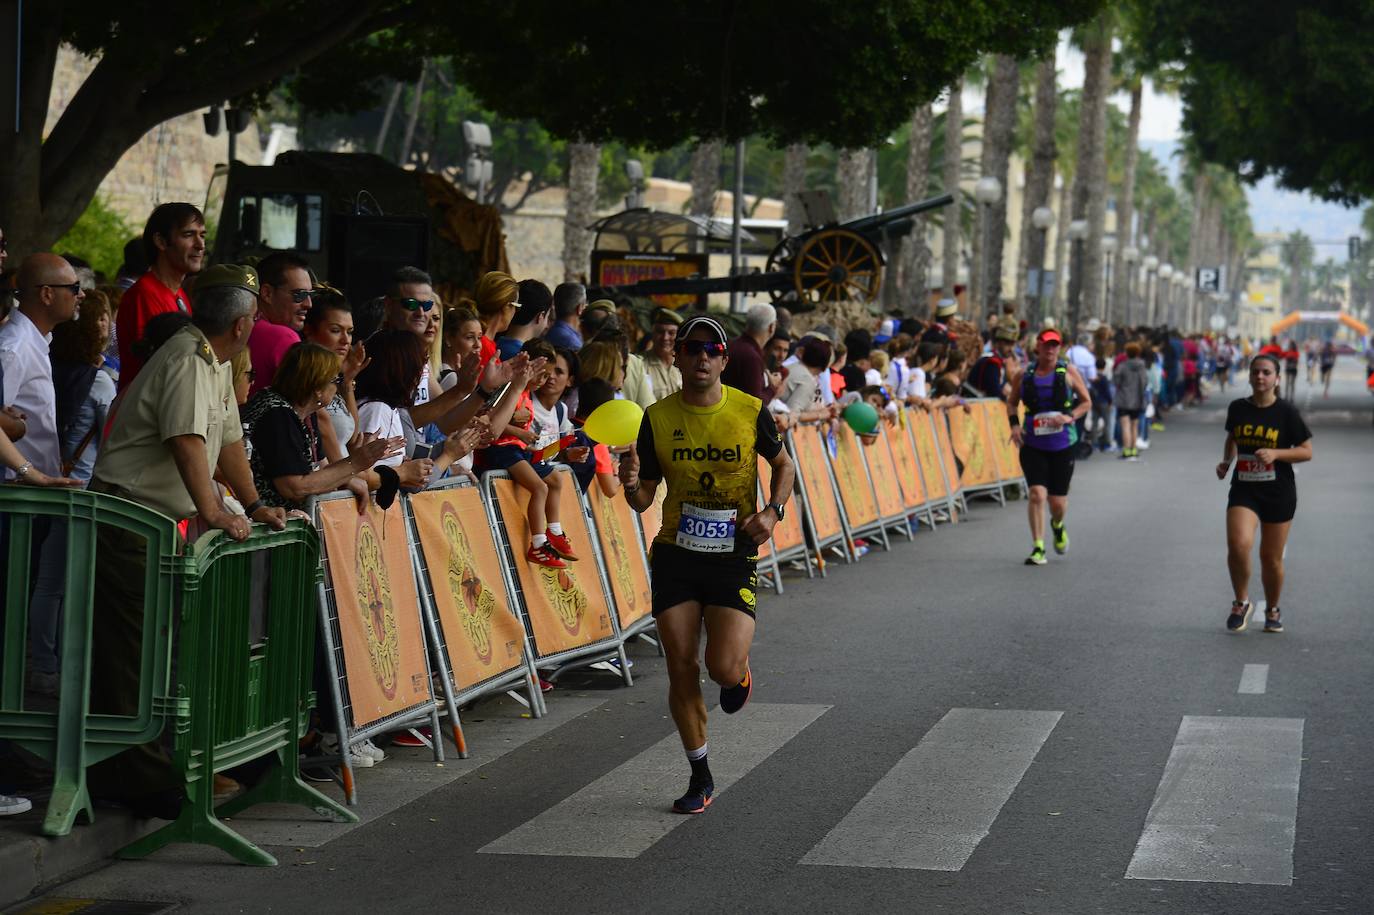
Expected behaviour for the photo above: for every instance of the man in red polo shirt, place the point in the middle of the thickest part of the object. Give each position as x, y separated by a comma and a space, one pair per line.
284, 287
746, 369
174, 242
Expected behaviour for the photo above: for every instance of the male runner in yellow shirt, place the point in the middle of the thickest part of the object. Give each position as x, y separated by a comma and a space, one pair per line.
705, 441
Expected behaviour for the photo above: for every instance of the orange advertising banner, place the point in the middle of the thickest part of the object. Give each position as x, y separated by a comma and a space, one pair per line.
629, 576
908, 470
999, 433
923, 431
820, 497
484, 638
787, 533
968, 434
882, 468
939, 424
651, 519
378, 608
855, 491
566, 607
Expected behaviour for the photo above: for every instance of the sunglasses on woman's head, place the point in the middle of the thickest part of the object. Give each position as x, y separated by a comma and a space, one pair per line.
417, 304
697, 347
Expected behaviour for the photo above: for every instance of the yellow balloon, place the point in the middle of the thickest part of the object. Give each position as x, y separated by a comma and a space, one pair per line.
614, 423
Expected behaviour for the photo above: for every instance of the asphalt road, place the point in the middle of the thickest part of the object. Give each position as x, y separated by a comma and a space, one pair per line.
935, 729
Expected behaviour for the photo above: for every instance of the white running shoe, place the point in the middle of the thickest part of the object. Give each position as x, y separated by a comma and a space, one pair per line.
368, 748
1143, 444
356, 759
9, 806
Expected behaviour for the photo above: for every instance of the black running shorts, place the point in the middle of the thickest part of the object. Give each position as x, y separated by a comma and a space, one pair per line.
1273, 505
1050, 469
679, 576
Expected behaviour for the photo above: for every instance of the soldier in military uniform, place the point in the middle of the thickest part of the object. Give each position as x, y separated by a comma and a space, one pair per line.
175, 428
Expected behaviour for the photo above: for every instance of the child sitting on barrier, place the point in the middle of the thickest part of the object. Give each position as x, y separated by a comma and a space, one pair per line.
549, 546
596, 463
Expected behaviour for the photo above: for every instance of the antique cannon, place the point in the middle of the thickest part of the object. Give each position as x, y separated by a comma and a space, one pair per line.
829, 262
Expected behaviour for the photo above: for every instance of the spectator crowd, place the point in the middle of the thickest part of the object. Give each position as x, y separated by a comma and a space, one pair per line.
230, 394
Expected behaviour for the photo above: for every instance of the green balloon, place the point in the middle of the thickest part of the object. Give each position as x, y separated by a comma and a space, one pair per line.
862, 418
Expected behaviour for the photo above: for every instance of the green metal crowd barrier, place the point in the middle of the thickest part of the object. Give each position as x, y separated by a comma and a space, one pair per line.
245, 664
245, 619
69, 736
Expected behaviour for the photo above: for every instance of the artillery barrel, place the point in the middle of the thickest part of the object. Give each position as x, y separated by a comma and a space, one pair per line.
868, 223
747, 282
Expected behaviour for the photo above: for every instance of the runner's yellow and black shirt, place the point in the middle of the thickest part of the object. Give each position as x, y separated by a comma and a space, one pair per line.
1278, 425
708, 456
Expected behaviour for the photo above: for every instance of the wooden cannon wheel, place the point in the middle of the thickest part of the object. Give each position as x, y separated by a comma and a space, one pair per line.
836, 264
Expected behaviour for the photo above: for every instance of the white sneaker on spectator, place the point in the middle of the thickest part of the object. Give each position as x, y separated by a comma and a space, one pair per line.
356, 760
9, 806
1143, 444
368, 748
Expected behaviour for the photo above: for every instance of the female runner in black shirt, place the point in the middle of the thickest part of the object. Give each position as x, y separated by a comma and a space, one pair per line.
1266, 436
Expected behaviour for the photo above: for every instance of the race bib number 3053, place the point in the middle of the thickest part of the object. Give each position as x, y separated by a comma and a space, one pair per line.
706, 530
1250, 469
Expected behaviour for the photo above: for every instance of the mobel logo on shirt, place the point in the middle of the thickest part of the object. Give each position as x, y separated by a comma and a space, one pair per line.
708, 453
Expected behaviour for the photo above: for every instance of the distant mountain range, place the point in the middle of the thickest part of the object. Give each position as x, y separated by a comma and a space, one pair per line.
1275, 210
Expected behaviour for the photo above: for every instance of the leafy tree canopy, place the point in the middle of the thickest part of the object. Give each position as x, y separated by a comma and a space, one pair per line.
1273, 87
814, 71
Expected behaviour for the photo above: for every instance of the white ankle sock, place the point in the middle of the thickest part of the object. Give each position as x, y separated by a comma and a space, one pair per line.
556, 528
538, 540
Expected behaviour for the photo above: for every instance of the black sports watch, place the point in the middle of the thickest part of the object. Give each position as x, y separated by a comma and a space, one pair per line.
777, 509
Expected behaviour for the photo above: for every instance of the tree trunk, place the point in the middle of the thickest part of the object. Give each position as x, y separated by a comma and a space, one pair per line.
851, 182
954, 153
1039, 182
1202, 193
705, 178
793, 183
1090, 185
1061, 241
915, 257
999, 127
584, 160
1125, 209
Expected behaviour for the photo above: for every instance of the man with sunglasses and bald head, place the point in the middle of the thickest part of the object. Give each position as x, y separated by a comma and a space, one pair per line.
705, 441
283, 301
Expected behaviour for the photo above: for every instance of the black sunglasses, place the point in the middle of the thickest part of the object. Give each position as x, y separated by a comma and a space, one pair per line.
73, 288
300, 295
417, 304
697, 347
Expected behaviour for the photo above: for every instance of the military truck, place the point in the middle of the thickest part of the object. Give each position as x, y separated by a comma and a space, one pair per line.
356, 217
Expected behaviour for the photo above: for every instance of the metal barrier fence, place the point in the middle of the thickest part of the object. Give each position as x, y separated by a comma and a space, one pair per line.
245, 664
71, 736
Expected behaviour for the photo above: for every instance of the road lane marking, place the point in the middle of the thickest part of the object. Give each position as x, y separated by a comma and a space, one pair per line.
623, 813
1227, 804
1254, 679
940, 800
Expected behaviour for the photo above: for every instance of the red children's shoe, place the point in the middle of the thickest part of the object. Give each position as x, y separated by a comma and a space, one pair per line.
544, 555
562, 546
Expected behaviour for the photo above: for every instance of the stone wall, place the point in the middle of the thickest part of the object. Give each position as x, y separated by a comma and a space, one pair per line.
174, 161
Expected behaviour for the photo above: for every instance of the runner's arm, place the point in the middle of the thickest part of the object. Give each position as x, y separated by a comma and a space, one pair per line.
1085, 400
1298, 454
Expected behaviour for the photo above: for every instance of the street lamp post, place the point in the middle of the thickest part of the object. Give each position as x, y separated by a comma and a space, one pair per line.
1130, 255
1108, 249
987, 192
478, 169
634, 171
1078, 231
1151, 264
1042, 217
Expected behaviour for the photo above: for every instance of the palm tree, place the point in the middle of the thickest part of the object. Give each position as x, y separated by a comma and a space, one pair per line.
851, 179
1298, 253
1039, 181
584, 161
954, 149
999, 127
705, 177
1090, 183
793, 183
914, 265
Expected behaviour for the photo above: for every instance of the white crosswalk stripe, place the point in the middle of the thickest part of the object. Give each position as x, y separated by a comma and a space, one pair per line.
623, 813
1226, 808
933, 808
